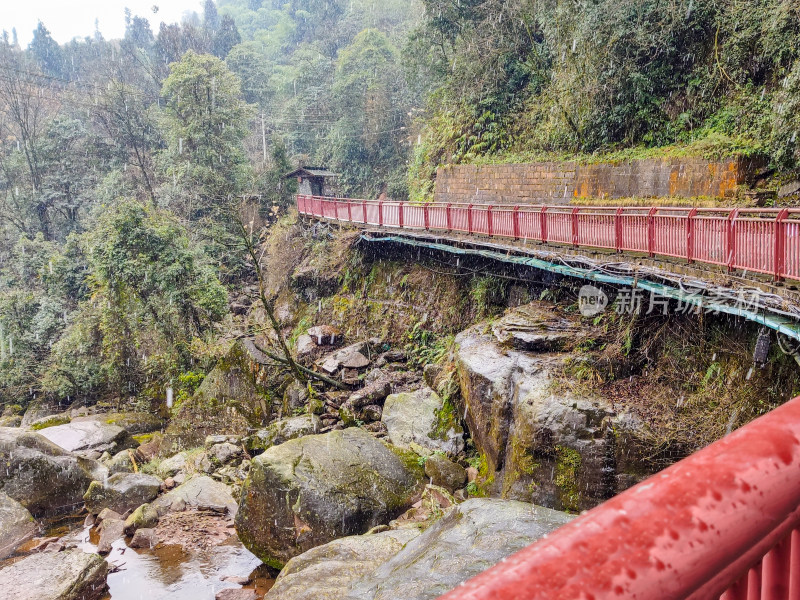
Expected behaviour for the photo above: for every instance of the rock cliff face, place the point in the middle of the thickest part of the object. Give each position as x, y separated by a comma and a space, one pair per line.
309, 491
541, 443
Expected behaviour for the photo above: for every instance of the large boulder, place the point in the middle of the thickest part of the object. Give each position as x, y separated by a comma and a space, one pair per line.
39, 409
327, 572
69, 575
135, 423
309, 491
282, 431
472, 537
228, 401
541, 441
121, 492
199, 492
422, 417
90, 438
16, 525
41, 475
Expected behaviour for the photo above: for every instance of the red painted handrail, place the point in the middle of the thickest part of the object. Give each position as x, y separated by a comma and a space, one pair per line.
722, 523
753, 240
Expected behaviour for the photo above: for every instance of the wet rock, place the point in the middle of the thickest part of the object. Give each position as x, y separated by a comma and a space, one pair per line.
538, 327
309, 491
199, 492
144, 517
423, 418
110, 531
351, 357
575, 449
371, 413
228, 400
372, 394
121, 462
431, 373
50, 421
150, 449
68, 575
472, 537
16, 525
213, 440
106, 513
282, 431
144, 538
39, 409
294, 398
237, 594
305, 347
11, 421
122, 492
445, 473
224, 453
89, 436
169, 467
325, 335
135, 423
327, 572
42, 476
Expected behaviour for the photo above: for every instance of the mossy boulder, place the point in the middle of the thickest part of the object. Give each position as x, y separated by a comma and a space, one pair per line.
144, 517
422, 417
309, 491
135, 423
16, 525
230, 401
50, 421
90, 438
121, 492
42, 476
282, 431
68, 575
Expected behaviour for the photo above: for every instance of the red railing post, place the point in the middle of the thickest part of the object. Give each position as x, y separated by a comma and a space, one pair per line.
400, 214
618, 230
349, 211
364, 208
489, 220
515, 220
690, 227
543, 223
731, 261
469, 218
575, 226
380, 214
426, 216
780, 244
651, 231
449, 217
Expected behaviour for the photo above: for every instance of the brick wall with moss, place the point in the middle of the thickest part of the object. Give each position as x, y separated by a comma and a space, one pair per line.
561, 182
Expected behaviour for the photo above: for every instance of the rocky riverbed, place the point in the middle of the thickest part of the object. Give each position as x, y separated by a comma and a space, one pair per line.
403, 486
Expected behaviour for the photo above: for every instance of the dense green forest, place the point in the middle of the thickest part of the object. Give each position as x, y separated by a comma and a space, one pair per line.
128, 166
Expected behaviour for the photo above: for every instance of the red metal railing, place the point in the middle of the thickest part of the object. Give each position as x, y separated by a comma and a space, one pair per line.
722, 523
758, 240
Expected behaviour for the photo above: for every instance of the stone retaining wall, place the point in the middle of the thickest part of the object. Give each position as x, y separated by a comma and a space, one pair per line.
560, 182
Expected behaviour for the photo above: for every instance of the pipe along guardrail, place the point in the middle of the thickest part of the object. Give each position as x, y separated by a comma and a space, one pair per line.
722, 523
757, 240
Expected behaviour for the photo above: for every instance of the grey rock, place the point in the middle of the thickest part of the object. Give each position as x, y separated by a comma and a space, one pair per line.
134, 423
472, 537
327, 572
282, 431
236, 594
120, 463
213, 440
538, 327
305, 346
309, 491
121, 492
11, 421
421, 417
325, 335
144, 538
89, 436
16, 525
198, 492
445, 473
572, 447
373, 412
224, 453
39, 409
42, 476
68, 575
169, 467
144, 517
110, 531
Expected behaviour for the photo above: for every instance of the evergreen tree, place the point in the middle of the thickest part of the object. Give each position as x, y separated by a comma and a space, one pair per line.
46, 51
